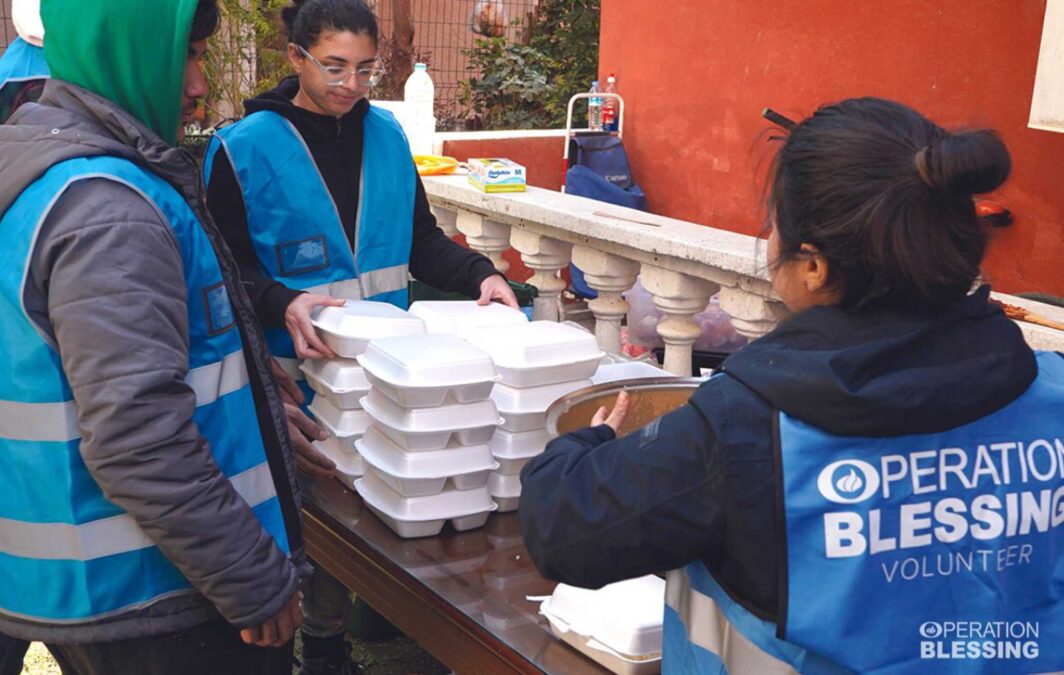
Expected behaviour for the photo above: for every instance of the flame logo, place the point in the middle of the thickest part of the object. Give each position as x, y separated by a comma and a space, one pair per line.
849, 483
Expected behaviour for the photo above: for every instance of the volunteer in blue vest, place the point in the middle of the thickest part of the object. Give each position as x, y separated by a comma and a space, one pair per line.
875, 486
317, 193
23, 69
149, 514
23, 72
318, 197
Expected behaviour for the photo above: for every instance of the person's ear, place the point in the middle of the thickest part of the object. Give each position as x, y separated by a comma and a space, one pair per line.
816, 271
295, 58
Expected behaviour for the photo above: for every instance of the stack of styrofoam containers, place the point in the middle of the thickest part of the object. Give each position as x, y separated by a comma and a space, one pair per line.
539, 363
340, 384
426, 453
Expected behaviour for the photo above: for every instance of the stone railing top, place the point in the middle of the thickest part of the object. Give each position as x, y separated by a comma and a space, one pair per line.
700, 251
726, 258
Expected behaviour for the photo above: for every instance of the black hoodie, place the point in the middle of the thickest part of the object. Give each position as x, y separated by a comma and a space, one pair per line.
701, 484
336, 145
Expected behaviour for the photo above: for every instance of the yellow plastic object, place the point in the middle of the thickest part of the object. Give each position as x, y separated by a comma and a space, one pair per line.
434, 165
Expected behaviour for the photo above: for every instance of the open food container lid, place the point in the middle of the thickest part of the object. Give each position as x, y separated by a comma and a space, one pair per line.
339, 375
450, 503
465, 318
626, 617
351, 327
454, 417
340, 423
427, 361
378, 450
539, 344
515, 401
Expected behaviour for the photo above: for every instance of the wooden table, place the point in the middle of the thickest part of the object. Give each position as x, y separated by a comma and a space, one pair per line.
462, 596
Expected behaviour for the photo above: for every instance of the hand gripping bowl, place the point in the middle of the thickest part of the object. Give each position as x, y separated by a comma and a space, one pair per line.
651, 397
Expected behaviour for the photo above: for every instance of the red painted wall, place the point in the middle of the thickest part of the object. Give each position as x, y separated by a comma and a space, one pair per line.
697, 73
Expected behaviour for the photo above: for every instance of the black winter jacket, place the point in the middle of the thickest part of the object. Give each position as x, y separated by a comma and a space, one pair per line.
701, 483
336, 145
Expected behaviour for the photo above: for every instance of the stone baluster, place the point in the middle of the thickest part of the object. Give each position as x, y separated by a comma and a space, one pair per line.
681, 297
546, 257
611, 276
489, 237
447, 219
753, 313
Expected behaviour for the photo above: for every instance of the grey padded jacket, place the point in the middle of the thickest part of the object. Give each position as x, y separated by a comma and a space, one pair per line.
106, 287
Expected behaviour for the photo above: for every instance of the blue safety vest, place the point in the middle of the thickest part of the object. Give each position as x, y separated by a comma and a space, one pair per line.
294, 224
22, 62
932, 553
67, 553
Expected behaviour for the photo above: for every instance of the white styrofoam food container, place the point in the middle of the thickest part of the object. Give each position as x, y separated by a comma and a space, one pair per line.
341, 381
424, 370
619, 626
612, 372
540, 353
416, 429
349, 464
348, 329
425, 516
526, 409
418, 474
513, 450
465, 318
337, 421
505, 489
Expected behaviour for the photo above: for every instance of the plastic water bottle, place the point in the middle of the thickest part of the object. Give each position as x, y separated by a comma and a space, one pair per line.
594, 108
611, 107
419, 96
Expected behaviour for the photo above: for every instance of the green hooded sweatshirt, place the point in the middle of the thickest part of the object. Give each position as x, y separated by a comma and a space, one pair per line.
131, 52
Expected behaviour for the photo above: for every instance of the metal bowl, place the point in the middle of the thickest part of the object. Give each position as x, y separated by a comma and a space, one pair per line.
651, 397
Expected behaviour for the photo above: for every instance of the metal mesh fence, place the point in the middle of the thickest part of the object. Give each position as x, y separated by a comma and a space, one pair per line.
444, 32
7, 29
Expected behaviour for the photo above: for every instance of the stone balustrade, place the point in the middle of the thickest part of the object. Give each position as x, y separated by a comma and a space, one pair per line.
682, 264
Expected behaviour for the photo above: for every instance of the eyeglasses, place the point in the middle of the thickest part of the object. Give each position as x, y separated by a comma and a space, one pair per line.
337, 76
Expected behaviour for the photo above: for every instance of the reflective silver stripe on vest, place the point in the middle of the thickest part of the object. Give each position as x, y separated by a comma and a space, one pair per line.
215, 380
385, 280
110, 536
708, 628
349, 289
58, 422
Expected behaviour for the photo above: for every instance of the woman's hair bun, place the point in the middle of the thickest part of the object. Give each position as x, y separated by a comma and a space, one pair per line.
289, 14
965, 163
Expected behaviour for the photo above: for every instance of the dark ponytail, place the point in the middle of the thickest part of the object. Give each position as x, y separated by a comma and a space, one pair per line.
306, 20
886, 197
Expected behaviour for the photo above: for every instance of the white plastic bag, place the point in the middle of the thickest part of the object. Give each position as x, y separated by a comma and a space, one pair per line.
488, 18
